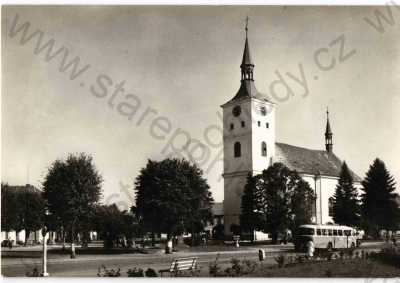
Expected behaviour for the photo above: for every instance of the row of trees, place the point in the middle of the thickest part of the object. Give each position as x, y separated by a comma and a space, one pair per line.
275, 201
21, 210
172, 197
376, 208
279, 200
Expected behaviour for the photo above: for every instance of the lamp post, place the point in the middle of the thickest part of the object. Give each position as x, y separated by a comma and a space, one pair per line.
44, 234
317, 175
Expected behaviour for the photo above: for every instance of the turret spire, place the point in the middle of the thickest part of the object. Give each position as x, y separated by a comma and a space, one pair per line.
328, 133
247, 87
247, 65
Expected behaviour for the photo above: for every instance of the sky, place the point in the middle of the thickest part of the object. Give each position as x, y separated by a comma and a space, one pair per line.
173, 67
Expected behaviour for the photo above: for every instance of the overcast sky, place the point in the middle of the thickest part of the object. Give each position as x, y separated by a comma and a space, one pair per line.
183, 63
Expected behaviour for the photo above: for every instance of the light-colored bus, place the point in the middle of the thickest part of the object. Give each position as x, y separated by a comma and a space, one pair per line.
327, 237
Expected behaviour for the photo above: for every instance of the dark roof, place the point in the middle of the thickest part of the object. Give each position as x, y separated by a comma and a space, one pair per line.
26, 188
247, 89
310, 161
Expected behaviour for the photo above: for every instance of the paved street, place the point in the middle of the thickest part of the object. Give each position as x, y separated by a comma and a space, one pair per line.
20, 260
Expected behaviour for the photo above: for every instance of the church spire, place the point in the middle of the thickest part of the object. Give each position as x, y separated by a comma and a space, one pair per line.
247, 87
247, 65
328, 134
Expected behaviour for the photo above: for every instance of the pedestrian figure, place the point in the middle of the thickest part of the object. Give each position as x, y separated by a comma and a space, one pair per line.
310, 249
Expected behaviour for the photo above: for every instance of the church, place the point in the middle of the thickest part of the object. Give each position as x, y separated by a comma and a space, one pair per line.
250, 146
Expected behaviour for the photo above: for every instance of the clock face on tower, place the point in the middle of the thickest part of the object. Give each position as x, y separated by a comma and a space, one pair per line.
236, 111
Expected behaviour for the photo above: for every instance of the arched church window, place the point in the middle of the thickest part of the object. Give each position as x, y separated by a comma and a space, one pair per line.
263, 149
331, 203
237, 148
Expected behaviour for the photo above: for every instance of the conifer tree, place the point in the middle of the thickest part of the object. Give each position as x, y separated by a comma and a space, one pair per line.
379, 207
346, 209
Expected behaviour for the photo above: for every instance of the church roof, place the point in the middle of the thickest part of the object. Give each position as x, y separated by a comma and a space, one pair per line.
247, 89
309, 161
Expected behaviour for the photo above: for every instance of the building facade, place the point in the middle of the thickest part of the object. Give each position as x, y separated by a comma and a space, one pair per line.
250, 146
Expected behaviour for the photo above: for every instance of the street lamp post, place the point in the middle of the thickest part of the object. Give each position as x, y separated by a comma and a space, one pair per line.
44, 234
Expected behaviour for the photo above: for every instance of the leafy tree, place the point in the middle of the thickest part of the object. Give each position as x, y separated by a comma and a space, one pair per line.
284, 199
72, 188
22, 209
172, 197
31, 213
379, 207
9, 208
346, 207
113, 224
250, 217
301, 203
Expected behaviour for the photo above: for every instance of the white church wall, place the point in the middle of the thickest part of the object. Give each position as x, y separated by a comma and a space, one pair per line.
237, 134
262, 133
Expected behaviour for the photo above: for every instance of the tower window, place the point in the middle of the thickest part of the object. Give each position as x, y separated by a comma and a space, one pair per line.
243, 124
237, 148
231, 126
263, 111
259, 123
331, 204
263, 149
267, 125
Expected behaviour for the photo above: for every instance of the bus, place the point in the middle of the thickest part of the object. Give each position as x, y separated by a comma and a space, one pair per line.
327, 237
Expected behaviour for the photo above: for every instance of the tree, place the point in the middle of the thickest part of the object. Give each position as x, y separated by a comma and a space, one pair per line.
250, 217
283, 199
114, 224
346, 207
9, 208
172, 197
22, 208
379, 208
31, 213
301, 203
71, 189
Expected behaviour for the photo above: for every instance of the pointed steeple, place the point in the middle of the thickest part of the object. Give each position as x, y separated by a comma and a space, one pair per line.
246, 59
328, 134
247, 87
247, 65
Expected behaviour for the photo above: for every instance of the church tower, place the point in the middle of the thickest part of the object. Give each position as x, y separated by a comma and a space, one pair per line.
248, 137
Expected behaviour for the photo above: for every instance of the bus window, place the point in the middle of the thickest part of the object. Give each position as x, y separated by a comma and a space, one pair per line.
319, 232
334, 232
330, 232
347, 232
340, 232
324, 232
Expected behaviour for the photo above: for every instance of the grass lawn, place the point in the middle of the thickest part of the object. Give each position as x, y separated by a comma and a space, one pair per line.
335, 268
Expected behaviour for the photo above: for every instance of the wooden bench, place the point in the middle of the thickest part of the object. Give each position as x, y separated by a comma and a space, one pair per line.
179, 265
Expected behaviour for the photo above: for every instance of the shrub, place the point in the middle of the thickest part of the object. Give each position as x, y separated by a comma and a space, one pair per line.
240, 268
104, 272
34, 273
328, 273
280, 260
135, 272
389, 256
150, 272
214, 268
